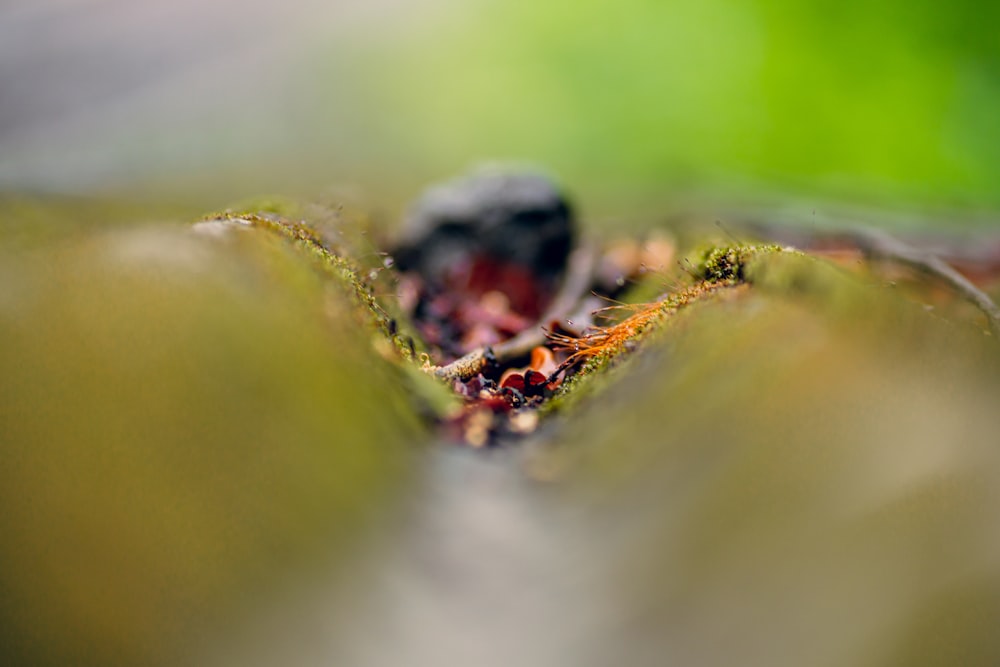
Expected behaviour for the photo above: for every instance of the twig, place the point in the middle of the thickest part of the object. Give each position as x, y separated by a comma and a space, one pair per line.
575, 286
465, 367
877, 244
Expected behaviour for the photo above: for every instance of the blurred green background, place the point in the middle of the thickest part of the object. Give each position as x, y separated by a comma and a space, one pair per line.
629, 103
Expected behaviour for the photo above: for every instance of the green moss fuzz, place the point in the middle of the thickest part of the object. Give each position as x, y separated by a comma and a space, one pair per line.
718, 264
625, 338
716, 268
330, 263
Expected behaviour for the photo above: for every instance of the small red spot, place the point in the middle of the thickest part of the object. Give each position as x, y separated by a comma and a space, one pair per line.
514, 381
535, 381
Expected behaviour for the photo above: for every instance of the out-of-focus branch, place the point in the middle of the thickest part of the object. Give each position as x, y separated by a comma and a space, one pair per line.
879, 245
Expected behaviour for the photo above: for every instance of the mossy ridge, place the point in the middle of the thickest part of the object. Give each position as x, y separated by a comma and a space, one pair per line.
331, 263
622, 340
729, 262
716, 268
205, 424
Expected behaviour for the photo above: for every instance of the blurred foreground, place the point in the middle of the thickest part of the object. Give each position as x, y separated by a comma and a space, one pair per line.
205, 463
184, 435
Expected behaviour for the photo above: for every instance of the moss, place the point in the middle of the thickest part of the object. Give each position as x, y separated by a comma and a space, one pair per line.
304, 236
331, 263
272, 205
591, 379
728, 263
844, 303
614, 345
716, 268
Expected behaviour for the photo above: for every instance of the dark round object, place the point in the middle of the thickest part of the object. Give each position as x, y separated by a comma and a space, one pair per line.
509, 216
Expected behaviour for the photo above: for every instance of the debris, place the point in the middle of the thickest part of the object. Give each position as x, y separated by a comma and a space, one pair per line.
483, 257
